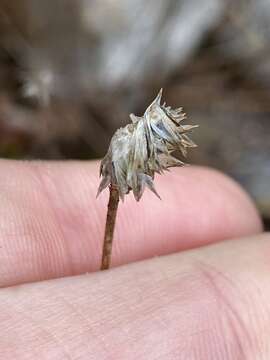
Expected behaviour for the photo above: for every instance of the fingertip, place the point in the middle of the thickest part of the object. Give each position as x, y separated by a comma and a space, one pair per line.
222, 202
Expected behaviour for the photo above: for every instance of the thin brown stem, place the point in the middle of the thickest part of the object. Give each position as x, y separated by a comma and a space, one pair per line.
109, 228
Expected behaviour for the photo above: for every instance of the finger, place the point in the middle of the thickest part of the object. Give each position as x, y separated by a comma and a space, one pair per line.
207, 303
52, 225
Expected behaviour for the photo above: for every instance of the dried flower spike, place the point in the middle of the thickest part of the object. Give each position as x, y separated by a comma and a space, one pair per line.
138, 151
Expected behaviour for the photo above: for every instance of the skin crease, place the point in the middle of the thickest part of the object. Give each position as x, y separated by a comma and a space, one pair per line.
210, 301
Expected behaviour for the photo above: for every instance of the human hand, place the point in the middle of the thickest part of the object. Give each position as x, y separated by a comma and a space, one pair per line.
211, 302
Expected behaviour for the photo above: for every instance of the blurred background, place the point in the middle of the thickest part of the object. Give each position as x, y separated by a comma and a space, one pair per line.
72, 71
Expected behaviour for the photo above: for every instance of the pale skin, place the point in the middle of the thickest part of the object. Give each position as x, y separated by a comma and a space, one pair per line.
197, 302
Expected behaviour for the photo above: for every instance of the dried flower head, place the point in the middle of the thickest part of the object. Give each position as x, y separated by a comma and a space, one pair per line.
143, 148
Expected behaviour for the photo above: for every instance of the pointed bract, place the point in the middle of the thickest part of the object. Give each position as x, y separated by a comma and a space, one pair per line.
143, 148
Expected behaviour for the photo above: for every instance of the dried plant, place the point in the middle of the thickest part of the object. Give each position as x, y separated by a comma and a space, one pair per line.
138, 151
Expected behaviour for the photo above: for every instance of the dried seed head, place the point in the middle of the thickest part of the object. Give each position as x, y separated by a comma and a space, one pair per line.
143, 148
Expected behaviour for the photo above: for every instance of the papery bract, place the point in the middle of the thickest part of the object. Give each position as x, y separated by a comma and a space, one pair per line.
143, 148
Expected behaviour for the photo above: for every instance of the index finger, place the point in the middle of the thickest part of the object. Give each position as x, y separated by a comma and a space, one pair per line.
52, 225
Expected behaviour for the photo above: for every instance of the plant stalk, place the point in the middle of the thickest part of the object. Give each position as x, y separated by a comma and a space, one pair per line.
109, 228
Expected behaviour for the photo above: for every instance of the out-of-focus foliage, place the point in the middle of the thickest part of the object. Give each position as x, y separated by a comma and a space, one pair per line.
72, 71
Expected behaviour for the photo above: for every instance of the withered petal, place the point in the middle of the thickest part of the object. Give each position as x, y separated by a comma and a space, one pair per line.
143, 148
